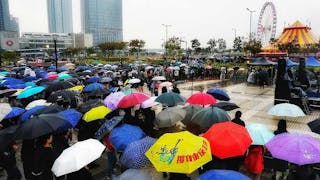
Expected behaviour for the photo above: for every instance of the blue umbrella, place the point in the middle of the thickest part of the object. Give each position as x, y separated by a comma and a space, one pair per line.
17, 86
30, 92
92, 87
32, 84
219, 94
72, 118
16, 111
135, 174
94, 79
133, 156
125, 134
29, 78
107, 127
26, 115
12, 81
222, 175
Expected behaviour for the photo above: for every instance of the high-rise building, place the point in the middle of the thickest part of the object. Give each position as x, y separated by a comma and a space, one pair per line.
4, 15
102, 19
14, 24
60, 16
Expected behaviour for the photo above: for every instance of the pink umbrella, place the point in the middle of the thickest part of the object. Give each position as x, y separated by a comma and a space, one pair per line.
113, 100
53, 76
132, 100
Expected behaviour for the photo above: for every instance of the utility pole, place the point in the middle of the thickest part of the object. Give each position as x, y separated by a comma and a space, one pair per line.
250, 11
166, 26
235, 32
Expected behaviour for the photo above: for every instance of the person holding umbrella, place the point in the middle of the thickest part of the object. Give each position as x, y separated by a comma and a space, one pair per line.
8, 162
237, 119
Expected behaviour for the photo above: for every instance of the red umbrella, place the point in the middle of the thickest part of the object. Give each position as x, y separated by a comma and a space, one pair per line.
201, 99
132, 100
228, 139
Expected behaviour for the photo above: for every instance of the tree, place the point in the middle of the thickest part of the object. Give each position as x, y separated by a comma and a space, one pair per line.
222, 45
71, 51
173, 45
195, 44
212, 44
254, 46
90, 50
237, 44
10, 55
136, 45
289, 47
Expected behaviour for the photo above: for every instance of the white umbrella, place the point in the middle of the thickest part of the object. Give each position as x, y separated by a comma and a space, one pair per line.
77, 156
166, 84
39, 102
159, 78
149, 102
134, 81
4, 110
149, 67
286, 110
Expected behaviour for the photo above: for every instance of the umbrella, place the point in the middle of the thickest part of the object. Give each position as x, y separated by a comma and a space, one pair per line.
64, 96
30, 92
219, 174
113, 100
99, 92
286, 110
12, 81
106, 80
201, 99
92, 87
227, 106
169, 117
40, 125
125, 134
149, 102
210, 115
7, 92
49, 109
63, 76
190, 111
296, 148
56, 86
72, 118
31, 84
94, 79
26, 115
228, 139
107, 127
15, 111
39, 102
132, 100
259, 133
85, 107
52, 76
219, 94
78, 88
134, 154
135, 174
170, 99
7, 136
180, 152
17, 86
166, 84
159, 78
315, 126
77, 156
96, 113
134, 81
4, 110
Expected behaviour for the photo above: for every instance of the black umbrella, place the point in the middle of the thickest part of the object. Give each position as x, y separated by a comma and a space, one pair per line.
227, 106
315, 125
43, 82
49, 109
85, 107
7, 92
40, 125
7, 136
191, 110
73, 80
99, 92
64, 96
56, 86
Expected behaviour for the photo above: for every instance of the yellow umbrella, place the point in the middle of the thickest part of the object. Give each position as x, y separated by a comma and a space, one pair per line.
77, 88
180, 152
96, 113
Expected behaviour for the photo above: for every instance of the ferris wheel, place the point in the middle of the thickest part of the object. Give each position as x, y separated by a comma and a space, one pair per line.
267, 23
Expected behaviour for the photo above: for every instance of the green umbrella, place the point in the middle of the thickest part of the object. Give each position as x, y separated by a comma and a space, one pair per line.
208, 116
191, 110
169, 117
170, 99
64, 76
259, 133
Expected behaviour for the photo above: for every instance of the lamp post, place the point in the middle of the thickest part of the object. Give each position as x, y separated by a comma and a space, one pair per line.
250, 11
55, 37
235, 32
166, 26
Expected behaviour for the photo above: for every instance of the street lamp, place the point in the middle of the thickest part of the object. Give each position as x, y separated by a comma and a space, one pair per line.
166, 27
55, 37
250, 11
235, 32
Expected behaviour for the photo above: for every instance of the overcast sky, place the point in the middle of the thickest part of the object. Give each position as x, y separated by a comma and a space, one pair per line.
189, 19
